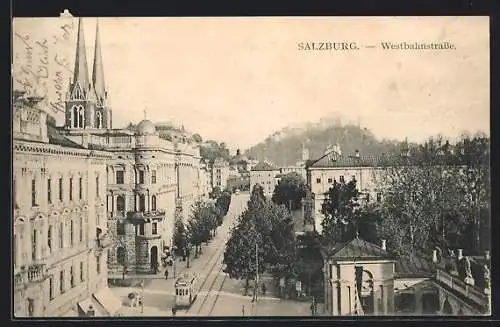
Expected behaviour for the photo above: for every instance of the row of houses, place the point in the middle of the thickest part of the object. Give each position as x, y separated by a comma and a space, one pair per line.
91, 201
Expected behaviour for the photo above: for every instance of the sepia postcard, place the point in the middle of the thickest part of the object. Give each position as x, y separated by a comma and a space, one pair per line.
250, 167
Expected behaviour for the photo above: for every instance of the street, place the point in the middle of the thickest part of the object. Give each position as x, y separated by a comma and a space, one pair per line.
219, 295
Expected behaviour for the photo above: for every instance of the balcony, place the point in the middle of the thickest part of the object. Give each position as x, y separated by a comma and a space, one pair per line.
144, 216
35, 273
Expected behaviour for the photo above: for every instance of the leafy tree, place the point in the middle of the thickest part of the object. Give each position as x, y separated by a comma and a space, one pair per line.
257, 197
290, 191
202, 224
180, 239
434, 193
216, 192
223, 202
197, 138
240, 255
339, 210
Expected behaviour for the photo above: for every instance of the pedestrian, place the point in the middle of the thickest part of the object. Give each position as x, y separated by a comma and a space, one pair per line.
263, 289
243, 310
166, 273
174, 311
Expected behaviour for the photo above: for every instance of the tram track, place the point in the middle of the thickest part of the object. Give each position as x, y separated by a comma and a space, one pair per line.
211, 263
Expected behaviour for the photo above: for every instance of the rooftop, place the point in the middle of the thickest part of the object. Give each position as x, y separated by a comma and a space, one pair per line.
357, 249
263, 166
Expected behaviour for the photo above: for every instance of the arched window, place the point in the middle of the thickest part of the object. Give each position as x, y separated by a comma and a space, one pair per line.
98, 122
120, 255
81, 117
120, 203
153, 203
74, 117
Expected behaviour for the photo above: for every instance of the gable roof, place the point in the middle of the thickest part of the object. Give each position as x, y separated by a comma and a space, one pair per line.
358, 249
350, 161
263, 166
412, 266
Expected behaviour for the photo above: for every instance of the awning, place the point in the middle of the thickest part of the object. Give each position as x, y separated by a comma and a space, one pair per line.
111, 303
83, 307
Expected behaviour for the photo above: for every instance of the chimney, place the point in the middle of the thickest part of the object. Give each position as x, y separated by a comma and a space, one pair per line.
356, 153
434, 256
384, 247
460, 254
487, 255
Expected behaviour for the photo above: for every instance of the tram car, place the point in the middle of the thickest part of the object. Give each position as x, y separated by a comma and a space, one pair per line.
186, 290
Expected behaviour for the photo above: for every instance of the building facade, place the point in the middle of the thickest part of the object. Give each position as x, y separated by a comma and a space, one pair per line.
152, 178
266, 176
362, 278
59, 238
220, 173
342, 168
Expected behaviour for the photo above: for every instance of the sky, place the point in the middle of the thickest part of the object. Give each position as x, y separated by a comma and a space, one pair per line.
239, 80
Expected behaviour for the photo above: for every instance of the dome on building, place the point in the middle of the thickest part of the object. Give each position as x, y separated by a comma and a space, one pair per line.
146, 127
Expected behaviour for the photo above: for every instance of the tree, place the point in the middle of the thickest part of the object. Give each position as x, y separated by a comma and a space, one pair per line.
257, 197
197, 138
290, 191
239, 255
434, 193
201, 224
216, 192
223, 202
180, 239
339, 210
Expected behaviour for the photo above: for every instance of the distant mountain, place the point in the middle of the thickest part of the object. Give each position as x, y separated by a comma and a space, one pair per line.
285, 146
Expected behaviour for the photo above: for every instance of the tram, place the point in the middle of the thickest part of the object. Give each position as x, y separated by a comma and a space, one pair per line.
186, 290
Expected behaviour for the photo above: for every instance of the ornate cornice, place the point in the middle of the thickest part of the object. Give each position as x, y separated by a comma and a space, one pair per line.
50, 149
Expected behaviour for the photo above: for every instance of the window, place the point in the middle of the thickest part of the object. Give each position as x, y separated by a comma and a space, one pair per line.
49, 191
33, 245
155, 228
61, 281
142, 203
141, 229
81, 271
33, 192
60, 189
71, 189
51, 288
341, 179
120, 203
120, 255
71, 232
120, 178
80, 188
97, 186
49, 238
330, 180
98, 264
153, 203
81, 229
318, 180
72, 277
153, 177
379, 197
61, 233
141, 176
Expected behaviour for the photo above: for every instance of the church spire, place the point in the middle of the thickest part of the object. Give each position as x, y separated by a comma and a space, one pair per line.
81, 74
98, 70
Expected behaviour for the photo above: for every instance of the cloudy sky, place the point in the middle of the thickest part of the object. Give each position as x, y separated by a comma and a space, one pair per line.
240, 79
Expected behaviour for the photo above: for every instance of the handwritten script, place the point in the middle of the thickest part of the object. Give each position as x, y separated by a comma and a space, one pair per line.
41, 62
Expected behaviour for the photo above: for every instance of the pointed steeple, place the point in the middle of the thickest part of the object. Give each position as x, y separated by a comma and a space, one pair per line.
81, 75
98, 70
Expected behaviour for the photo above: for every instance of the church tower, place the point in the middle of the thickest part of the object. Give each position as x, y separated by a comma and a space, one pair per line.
86, 101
